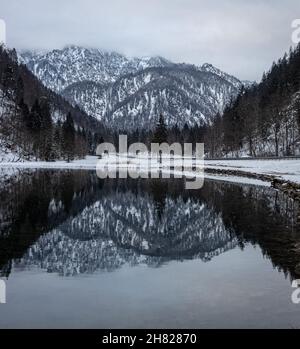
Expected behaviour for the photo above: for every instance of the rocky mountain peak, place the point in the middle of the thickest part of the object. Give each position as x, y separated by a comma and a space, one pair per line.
129, 93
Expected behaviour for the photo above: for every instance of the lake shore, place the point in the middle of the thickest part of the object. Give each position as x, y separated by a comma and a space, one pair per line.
283, 175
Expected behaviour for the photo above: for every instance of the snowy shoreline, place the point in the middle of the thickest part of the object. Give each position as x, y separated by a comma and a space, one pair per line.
259, 172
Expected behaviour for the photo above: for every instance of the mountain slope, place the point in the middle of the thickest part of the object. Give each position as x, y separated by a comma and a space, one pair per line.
31, 115
183, 94
265, 118
127, 93
60, 68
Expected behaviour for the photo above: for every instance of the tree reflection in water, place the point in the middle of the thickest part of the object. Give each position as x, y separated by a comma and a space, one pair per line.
71, 222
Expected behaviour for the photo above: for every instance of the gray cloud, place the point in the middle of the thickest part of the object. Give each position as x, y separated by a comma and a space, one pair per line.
240, 37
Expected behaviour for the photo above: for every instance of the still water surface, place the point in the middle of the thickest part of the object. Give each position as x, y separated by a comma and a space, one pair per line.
80, 252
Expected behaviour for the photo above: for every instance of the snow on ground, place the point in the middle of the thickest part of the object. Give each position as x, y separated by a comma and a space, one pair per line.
286, 169
89, 162
9, 157
235, 179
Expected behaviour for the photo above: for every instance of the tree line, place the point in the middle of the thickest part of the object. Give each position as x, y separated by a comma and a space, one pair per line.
264, 119
36, 123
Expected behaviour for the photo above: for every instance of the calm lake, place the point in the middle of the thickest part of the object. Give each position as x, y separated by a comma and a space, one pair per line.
80, 252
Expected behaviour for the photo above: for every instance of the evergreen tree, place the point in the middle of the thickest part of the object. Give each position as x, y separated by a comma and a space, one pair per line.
46, 152
298, 113
68, 137
57, 141
25, 113
35, 123
7, 80
34, 127
262, 118
27, 127
160, 133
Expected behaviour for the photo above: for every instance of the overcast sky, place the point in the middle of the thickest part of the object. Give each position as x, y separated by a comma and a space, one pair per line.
240, 37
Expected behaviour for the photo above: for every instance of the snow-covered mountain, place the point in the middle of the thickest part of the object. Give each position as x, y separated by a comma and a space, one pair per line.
182, 93
87, 224
28, 108
60, 68
129, 93
115, 231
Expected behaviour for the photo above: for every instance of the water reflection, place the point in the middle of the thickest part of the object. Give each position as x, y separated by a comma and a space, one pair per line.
71, 222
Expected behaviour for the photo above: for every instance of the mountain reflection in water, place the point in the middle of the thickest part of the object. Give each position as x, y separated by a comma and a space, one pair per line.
71, 222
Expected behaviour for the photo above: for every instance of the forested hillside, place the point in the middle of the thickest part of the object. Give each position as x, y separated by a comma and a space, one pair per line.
36, 123
130, 93
265, 118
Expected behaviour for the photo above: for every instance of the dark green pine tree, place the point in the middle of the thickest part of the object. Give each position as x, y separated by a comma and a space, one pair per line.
298, 113
57, 141
25, 114
19, 90
34, 126
160, 134
68, 138
8, 80
90, 142
46, 152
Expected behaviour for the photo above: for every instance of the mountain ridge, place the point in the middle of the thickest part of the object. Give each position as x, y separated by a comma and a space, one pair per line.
32, 117
130, 93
